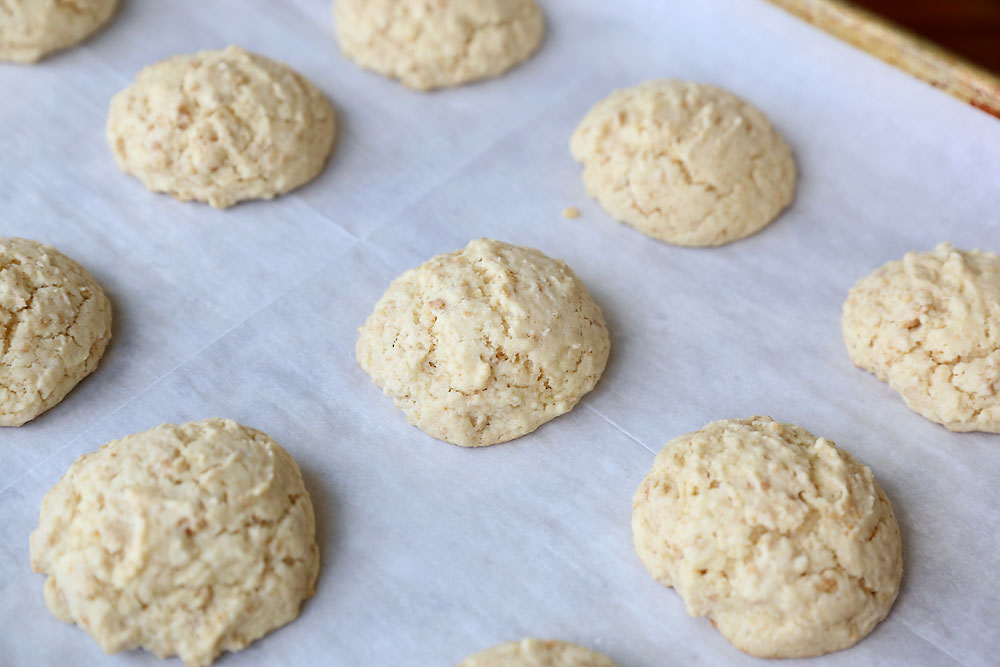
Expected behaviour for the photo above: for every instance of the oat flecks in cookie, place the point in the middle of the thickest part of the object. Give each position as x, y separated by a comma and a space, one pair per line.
430, 44
184, 540
781, 538
55, 323
485, 344
537, 653
687, 163
929, 325
221, 127
32, 29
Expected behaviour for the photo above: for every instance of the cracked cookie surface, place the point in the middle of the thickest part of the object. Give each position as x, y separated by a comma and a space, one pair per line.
438, 43
783, 540
485, 344
184, 540
929, 326
537, 653
687, 163
56, 323
31, 29
221, 127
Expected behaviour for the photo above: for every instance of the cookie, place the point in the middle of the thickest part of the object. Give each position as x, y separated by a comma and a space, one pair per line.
56, 324
485, 344
438, 43
783, 540
929, 326
687, 163
221, 127
184, 540
32, 29
537, 653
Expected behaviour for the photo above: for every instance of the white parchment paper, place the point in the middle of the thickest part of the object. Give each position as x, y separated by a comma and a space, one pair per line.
430, 551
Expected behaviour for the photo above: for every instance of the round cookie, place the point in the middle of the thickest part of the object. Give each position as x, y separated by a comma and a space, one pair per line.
438, 43
784, 541
32, 29
55, 322
687, 163
929, 325
485, 344
537, 653
221, 127
184, 540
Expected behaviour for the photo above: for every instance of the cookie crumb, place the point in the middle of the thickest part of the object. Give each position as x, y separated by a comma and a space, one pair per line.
571, 213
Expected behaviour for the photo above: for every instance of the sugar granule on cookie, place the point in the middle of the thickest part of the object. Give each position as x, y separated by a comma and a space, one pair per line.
929, 326
56, 324
537, 653
438, 43
221, 127
687, 163
186, 540
485, 344
782, 539
32, 29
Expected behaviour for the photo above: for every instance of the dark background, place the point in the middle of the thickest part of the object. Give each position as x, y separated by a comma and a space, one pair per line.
970, 28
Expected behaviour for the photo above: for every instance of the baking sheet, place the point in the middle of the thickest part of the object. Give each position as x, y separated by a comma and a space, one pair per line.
903, 48
430, 551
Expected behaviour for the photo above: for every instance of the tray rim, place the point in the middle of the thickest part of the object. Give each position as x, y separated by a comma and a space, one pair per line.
902, 48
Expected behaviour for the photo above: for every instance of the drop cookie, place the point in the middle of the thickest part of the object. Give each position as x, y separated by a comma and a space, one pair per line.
438, 43
184, 540
221, 127
485, 344
782, 539
687, 163
32, 29
929, 326
56, 324
537, 653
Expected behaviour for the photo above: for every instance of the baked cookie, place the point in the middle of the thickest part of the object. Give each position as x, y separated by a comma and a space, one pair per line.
56, 323
438, 43
784, 541
485, 344
929, 325
184, 540
221, 127
687, 163
32, 29
537, 653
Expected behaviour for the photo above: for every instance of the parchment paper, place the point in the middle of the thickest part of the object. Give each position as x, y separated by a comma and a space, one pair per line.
431, 552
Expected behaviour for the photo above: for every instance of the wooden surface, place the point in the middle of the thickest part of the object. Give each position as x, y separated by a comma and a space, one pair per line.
951, 21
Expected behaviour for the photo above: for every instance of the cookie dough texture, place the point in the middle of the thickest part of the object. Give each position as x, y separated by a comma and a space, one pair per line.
485, 344
537, 653
687, 163
184, 540
55, 322
929, 325
438, 43
221, 127
784, 541
32, 29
